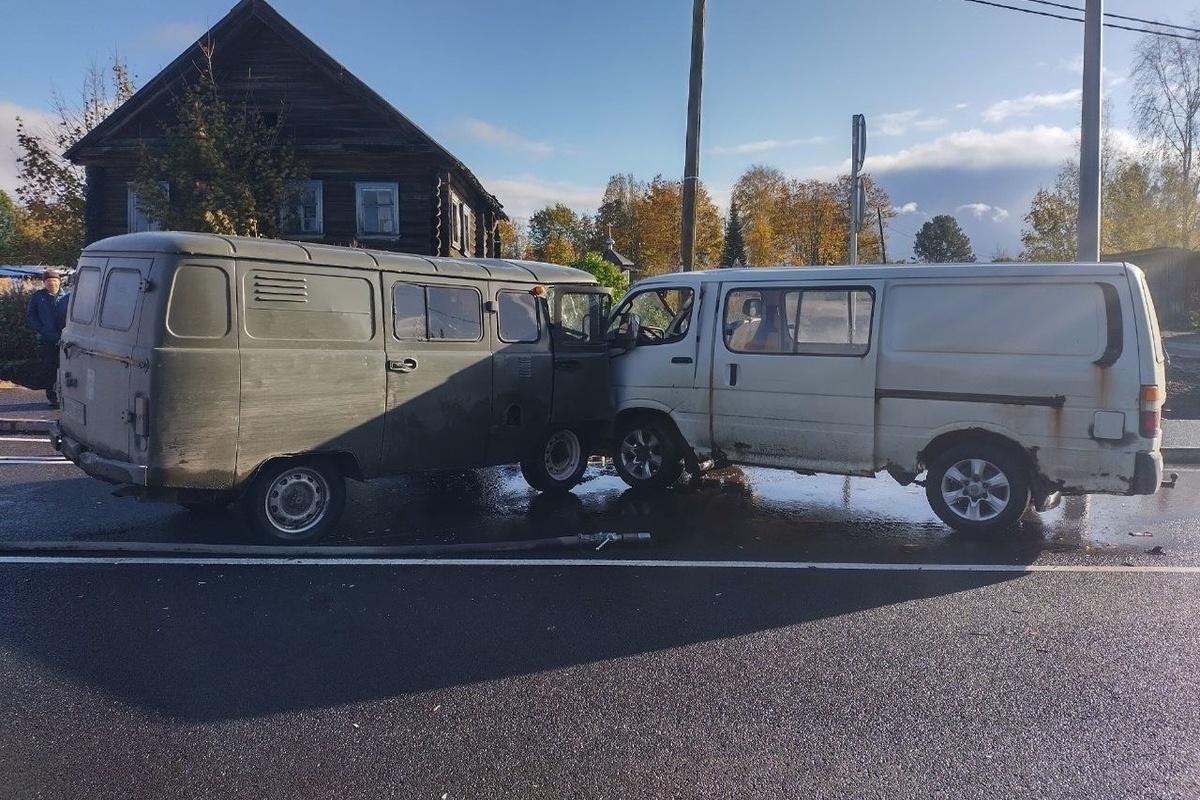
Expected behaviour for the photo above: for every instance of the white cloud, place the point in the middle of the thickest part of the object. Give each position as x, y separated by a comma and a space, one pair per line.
980, 210
766, 145
998, 112
907, 208
1040, 146
35, 119
899, 123
525, 194
505, 139
171, 37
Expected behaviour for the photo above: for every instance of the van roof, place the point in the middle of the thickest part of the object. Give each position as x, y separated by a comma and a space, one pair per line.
1020, 269
279, 250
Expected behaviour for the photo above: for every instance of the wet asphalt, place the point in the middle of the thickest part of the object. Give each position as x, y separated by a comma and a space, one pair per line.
734, 656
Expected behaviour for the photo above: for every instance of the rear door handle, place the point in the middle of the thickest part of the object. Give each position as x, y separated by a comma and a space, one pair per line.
733, 371
681, 360
402, 364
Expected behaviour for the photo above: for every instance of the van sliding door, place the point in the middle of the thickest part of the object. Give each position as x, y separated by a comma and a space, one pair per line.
793, 379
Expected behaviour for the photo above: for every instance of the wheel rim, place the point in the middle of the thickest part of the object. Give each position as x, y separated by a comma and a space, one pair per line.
641, 453
562, 455
296, 500
976, 489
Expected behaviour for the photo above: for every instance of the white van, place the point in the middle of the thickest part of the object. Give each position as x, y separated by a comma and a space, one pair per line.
1007, 384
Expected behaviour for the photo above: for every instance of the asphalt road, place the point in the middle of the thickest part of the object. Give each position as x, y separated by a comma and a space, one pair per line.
800, 638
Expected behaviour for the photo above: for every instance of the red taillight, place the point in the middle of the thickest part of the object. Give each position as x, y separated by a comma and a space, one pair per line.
141, 415
1150, 411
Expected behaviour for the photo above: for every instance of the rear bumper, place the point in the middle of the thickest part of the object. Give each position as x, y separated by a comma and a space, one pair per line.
1147, 472
106, 469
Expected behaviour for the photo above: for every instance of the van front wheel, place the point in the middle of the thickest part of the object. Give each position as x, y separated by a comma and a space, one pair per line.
978, 488
295, 502
647, 454
558, 465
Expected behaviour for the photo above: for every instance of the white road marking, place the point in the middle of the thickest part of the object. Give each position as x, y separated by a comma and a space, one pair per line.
831, 566
27, 439
6, 461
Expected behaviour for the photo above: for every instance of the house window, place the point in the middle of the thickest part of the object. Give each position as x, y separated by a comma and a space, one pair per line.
305, 216
456, 237
468, 231
378, 209
138, 221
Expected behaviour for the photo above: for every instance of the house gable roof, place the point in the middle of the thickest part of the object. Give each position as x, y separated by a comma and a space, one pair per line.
245, 14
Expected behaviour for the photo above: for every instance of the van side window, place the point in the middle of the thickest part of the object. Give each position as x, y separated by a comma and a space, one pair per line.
85, 295
119, 304
198, 307
444, 313
518, 313
794, 321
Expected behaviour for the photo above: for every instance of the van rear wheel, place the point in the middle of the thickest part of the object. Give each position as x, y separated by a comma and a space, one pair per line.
647, 453
295, 502
978, 488
558, 465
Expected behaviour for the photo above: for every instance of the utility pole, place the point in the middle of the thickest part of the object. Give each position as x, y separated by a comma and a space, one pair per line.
1088, 248
691, 161
882, 241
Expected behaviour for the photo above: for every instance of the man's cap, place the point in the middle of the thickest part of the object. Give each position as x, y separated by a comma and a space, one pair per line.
51, 273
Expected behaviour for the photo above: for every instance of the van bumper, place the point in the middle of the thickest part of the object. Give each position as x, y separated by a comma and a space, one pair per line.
106, 469
1147, 472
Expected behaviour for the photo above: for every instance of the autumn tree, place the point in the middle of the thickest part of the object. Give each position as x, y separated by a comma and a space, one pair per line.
51, 189
734, 251
760, 193
942, 241
219, 167
557, 234
514, 240
660, 223
9, 237
619, 213
1166, 97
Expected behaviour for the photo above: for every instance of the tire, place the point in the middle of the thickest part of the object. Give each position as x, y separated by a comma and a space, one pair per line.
647, 453
978, 488
559, 463
295, 502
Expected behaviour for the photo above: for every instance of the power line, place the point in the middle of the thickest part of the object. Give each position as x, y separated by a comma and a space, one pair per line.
1106, 24
1119, 16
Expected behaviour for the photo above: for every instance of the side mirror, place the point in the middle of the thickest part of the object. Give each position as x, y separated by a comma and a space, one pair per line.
625, 334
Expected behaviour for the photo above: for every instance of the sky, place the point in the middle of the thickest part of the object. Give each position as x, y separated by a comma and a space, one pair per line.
970, 108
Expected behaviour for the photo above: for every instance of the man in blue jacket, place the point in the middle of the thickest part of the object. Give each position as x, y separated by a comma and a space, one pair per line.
47, 315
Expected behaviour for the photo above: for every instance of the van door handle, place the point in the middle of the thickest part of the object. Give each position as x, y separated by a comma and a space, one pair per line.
402, 364
733, 374
569, 365
681, 360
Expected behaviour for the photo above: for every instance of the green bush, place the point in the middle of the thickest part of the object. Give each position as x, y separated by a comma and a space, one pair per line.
17, 342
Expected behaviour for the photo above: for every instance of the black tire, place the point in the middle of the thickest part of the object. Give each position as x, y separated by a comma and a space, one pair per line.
647, 453
295, 502
978, 487
559, 463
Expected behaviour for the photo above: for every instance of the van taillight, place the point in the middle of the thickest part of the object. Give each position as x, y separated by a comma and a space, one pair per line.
141, 415
1150, 411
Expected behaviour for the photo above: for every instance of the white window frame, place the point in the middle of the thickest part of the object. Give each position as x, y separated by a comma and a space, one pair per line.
468, 229
136, 219
317, 189
361, 209
456, 237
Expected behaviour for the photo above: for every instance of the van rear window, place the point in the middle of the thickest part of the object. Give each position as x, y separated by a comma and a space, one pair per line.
85, 295
118, 308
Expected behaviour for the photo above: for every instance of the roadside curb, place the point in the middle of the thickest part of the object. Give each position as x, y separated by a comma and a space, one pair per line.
1174, 456
25, 426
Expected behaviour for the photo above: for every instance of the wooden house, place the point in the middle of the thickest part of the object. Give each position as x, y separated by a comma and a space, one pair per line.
377, 180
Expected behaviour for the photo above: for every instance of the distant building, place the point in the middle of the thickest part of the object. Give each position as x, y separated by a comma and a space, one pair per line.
376, 178
1173, 275
627, 267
